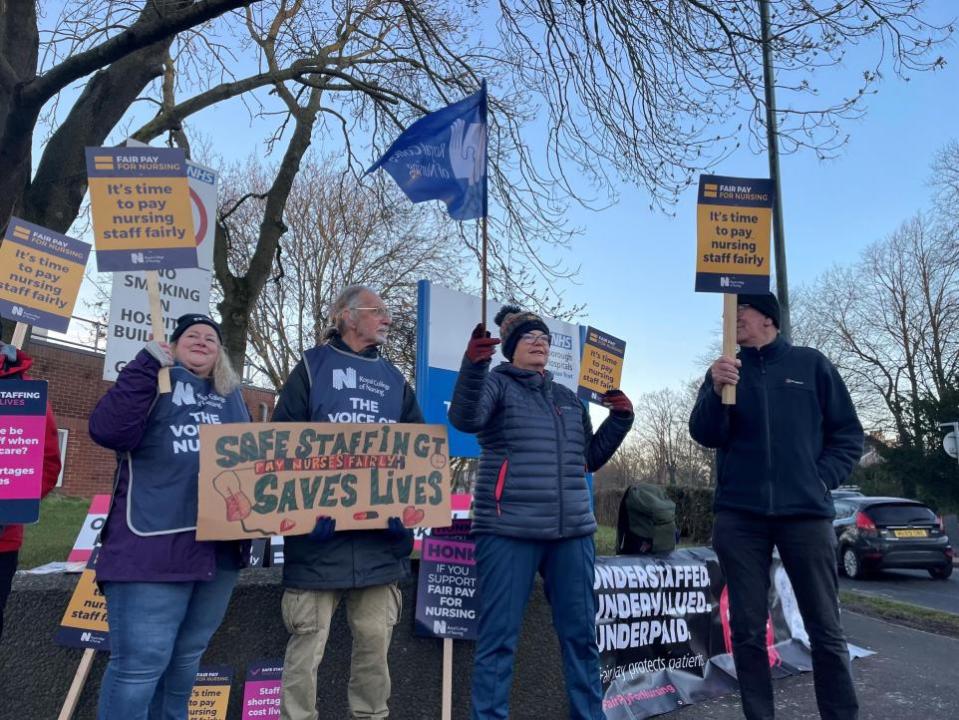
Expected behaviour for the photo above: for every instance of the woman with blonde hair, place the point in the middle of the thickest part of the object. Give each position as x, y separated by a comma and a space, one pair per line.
166, 592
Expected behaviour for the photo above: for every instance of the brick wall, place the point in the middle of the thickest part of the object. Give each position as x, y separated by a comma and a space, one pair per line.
75, 385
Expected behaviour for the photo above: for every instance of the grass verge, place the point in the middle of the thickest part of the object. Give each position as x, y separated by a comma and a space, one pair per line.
52, 538
914, 616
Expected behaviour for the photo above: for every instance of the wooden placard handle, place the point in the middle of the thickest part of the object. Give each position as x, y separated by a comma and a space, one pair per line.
19, 335
447, 709
729, 342
76, 687
156, 321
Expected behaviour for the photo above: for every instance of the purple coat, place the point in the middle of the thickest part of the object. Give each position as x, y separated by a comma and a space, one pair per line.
118, 422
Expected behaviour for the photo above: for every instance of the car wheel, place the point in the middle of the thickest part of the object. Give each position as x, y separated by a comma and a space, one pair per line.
851, 565
941, 573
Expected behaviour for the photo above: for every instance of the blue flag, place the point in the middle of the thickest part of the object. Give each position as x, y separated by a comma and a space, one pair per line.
442, 156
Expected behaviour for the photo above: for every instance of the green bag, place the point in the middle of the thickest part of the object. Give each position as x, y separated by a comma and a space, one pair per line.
647, 521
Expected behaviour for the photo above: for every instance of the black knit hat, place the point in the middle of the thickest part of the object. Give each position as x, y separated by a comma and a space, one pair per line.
513, 322
765, 303
185, 321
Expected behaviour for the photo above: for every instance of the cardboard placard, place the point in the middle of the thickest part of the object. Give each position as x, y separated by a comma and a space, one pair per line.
733, 220
23, 430
261, 479
211, 693
262, 690
140, 199
40, 275
601, 367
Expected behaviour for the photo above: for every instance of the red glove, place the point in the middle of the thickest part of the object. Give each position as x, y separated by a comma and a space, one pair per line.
617, 402
481, 346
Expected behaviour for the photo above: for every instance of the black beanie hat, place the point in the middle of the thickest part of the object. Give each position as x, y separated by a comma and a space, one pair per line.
513, 322
766, 303
185, 321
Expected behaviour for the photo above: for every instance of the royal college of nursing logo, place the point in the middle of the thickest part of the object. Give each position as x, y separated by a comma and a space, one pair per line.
344, 378
183, 394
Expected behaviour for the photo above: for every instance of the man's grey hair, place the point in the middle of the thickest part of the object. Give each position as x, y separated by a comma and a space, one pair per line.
348, 299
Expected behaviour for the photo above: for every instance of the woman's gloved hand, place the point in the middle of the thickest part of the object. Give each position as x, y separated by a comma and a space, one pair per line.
618, 403
481, 346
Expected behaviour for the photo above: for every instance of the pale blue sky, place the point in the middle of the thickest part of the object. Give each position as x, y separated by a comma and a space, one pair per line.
637, 265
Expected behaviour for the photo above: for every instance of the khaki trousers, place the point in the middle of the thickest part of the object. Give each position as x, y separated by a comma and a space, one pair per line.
371, 612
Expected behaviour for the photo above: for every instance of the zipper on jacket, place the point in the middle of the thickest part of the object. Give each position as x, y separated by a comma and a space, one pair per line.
500, 484
768, 433
557, 423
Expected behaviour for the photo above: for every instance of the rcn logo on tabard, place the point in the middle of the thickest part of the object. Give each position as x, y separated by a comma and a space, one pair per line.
183, 394
344, 378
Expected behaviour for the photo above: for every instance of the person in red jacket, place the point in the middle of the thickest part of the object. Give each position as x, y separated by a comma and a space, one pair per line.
13, 366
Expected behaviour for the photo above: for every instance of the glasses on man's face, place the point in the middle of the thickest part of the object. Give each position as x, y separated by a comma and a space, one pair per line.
383, 312
536, 338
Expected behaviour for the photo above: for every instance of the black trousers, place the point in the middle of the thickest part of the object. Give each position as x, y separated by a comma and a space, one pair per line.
8, 566
807, 546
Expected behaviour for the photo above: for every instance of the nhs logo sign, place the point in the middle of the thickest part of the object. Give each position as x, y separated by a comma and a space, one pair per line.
344, 378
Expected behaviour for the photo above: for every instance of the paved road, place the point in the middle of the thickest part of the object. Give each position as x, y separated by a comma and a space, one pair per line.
912, 675
910, 586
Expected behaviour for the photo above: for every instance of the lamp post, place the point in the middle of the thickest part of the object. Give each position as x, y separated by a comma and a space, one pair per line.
772, 142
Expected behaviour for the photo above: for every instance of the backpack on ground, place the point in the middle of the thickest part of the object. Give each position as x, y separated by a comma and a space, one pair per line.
647, 521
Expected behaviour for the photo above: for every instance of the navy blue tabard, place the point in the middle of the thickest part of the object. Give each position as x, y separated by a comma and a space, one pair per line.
162, 492
348, 388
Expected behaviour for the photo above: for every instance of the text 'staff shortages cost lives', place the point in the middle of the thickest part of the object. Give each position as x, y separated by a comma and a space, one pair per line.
23, 424
733, 217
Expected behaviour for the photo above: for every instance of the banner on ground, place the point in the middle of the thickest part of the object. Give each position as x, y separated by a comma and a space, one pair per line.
445, 319
261, 693
140, 200
182, 291
447, 605
662, 627
262, 479
84, 622
40, 275
733, 217
211, 693
23, 431
601, 367
89, 536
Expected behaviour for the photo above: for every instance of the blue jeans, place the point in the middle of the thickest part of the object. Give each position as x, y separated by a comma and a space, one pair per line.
506, 569
158, 632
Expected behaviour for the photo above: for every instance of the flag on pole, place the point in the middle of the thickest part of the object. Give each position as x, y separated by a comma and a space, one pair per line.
442, 156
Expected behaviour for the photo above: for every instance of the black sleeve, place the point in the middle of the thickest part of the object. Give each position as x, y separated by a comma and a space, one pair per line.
411, 408
294, 402
709, 421
842, 432
601, 445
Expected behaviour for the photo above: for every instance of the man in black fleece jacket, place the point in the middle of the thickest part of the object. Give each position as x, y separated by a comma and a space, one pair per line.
792, 436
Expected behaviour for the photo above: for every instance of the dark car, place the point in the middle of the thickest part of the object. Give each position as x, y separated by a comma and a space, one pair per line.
878, 533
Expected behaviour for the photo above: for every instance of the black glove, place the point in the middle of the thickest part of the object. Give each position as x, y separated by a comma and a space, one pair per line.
396, 529
481, 346
618, 403
325, 527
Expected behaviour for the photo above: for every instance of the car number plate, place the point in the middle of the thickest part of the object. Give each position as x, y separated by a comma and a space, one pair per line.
910, 533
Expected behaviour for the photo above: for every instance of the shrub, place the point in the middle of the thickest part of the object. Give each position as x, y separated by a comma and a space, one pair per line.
694, 510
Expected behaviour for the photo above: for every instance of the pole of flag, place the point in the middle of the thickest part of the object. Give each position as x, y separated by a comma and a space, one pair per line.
442, 156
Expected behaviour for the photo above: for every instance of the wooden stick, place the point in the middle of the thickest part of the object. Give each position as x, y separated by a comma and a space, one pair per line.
19, 335
729, 342
156, 320
483, 269
76, 687
447, 709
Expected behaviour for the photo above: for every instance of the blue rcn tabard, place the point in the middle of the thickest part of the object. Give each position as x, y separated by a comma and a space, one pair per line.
348, 388
162, 494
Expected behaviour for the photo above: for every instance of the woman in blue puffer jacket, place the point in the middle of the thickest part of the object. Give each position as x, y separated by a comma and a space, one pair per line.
532, 510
